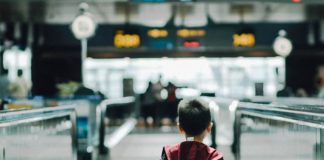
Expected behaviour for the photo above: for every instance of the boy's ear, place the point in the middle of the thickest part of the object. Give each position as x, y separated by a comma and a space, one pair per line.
180, 129
209, 128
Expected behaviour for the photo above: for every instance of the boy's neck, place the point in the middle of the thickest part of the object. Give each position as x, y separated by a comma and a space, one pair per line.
195, 138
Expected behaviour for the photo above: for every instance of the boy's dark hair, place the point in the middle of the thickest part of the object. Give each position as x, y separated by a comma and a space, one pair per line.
194, 116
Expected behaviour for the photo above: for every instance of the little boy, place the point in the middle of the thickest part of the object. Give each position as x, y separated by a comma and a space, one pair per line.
195, 123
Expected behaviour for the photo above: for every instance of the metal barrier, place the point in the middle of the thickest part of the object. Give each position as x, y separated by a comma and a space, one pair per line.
274, 122
38, 134
103, 143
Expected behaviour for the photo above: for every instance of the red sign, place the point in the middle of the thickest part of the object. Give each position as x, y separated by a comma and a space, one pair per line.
191, 44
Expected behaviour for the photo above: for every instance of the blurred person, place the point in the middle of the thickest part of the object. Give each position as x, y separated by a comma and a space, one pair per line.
157, 88
195, 123
159, 107
148, 103
19, 88
4, 84
172, 101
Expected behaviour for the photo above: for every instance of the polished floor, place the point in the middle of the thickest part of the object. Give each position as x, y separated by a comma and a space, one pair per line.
147, 144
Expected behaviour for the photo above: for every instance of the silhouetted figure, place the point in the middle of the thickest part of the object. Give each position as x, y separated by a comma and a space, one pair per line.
172, 101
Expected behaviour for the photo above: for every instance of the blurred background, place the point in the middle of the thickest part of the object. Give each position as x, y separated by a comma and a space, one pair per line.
124, 65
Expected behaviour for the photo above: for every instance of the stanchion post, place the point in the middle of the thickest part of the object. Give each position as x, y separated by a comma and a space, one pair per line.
319, 148
213, 135
102, 148
237, 135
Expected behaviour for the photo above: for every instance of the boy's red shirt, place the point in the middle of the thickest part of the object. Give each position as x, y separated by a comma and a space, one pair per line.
191, 150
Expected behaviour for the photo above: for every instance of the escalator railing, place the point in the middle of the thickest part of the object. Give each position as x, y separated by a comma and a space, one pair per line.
39, 134
125, 108
289, 101
278, 131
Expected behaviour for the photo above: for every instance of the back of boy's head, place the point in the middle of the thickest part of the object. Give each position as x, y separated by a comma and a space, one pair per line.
194, 116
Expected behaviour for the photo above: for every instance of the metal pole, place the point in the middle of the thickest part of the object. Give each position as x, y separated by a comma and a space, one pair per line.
84, 46
213, 135
237, 136
320, 145
74, 135
102, 148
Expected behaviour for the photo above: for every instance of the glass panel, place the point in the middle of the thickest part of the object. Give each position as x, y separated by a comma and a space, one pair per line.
273, 140
40, 140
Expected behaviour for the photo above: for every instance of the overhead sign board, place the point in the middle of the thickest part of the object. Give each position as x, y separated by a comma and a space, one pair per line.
185, 33
244, 40
157, 33
124, 40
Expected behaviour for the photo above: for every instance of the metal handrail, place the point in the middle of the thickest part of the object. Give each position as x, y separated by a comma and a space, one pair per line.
101, 110
282, 113
15, 117
290, 101
311, 117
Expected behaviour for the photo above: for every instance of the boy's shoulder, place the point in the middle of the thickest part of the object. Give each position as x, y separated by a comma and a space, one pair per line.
190, 149
214, 154
170, 152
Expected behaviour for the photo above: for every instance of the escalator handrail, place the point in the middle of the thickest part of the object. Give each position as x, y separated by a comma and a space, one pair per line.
28, 115
305, 116
15, 117
101, 110
311, 118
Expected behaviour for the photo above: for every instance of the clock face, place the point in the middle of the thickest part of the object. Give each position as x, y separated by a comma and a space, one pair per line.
83, 27
282, 46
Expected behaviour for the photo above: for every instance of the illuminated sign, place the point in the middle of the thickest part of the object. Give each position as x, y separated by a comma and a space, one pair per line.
158, 33
184, 33
122, 40
296, 1
191, 44
244, 40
